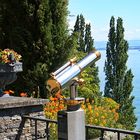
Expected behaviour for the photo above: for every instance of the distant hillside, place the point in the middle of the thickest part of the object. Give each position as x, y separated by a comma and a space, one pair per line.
133, 44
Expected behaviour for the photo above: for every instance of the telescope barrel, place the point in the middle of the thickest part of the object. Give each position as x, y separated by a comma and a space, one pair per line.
66, 73
72, 61
74, 70
88, 60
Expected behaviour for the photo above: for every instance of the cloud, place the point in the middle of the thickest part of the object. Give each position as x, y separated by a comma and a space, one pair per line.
71, 24
88, 22
98, 34
137, 30
101, 33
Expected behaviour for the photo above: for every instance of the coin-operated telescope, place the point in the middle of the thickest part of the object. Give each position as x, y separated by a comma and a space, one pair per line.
71, 122
66, 76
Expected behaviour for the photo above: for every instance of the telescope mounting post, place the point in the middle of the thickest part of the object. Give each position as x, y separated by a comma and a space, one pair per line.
73, 90
71, 122
74, 102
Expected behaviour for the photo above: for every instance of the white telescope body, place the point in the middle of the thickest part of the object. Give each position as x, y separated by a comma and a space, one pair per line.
64, 75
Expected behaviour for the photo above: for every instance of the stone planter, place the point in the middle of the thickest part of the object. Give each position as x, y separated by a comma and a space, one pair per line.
8, 74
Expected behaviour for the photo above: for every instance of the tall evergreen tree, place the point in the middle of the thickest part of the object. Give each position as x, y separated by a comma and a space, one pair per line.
38, 31
79, 27
86, 43
118, 84
59, 31
82, 33
88, 39
77, 23
110, 62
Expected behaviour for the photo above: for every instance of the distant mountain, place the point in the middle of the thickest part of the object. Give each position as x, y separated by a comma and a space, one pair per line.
133, 44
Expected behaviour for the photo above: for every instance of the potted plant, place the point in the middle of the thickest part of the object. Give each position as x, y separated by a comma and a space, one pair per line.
9, 65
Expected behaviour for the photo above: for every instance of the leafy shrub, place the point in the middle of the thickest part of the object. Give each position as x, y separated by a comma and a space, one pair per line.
102, 113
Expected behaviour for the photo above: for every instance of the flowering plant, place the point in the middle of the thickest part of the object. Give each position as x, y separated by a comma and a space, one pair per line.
101, 112
9, 56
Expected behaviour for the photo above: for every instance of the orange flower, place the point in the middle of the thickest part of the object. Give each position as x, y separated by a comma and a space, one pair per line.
96, 114
89, 107
8, 92
23, 94
53, 98
58, 95
46, 109
61, 107
11, 91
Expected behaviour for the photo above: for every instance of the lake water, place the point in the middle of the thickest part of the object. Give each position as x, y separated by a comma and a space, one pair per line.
134, 64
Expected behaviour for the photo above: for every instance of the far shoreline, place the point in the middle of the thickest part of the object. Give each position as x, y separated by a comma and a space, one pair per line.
130, 48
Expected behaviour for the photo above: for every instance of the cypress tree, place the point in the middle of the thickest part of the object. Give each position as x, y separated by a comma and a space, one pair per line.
86, 44
79, 27
118, 84
82, 33
38, 31
77, 23
88, 39
59, 31
110, 63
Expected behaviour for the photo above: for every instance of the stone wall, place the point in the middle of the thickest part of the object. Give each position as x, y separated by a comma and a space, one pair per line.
12, 126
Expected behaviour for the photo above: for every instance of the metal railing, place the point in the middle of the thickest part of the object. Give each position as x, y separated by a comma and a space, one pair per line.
47, 121
136, 135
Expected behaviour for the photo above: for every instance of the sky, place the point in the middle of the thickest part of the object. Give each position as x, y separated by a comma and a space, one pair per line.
98, 13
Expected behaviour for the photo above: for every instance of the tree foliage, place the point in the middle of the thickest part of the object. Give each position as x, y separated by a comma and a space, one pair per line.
86, 45
118, 84
38, 31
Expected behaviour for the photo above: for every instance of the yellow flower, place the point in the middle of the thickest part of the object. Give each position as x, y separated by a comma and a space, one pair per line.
104, 122
96, 120
103, 117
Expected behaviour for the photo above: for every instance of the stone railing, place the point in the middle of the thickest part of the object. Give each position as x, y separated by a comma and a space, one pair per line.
12, 109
